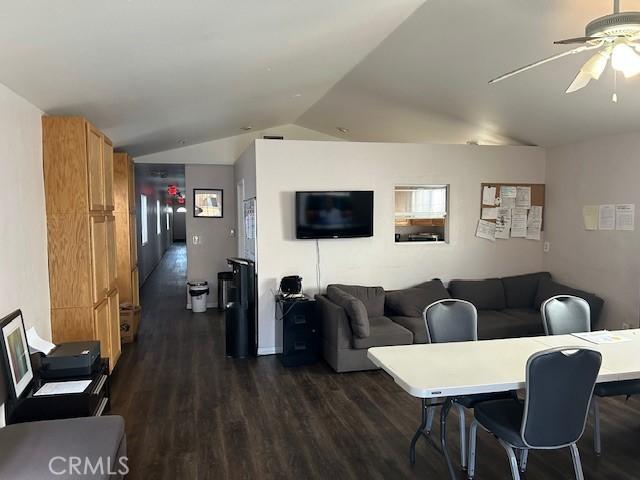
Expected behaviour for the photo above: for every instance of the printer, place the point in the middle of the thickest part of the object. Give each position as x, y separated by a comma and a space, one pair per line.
73, 359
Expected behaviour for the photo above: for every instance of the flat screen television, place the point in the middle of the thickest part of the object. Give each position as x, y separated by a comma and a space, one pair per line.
334, 214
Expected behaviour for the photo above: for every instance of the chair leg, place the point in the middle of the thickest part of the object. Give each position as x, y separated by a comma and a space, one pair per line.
463, 435
473, 433
577, 464
513, 461
524, 454
597, 445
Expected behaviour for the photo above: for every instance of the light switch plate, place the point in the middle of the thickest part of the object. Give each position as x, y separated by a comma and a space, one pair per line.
197, 240
546, 247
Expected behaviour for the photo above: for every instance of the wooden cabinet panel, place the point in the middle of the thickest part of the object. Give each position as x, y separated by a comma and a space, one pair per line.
132, 188
69, 260
135, 287
133, 240
114, 325
72, 324
101, 328
99, 257
112, 267
95, 169
107, 167
64, 158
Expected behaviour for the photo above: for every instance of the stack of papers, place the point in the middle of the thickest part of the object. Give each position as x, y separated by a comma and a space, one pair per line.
601, 337
62, 388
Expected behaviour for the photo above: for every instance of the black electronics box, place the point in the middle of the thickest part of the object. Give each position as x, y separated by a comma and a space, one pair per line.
73, 359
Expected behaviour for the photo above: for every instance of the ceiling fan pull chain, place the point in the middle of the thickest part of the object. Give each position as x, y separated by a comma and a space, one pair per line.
614, 97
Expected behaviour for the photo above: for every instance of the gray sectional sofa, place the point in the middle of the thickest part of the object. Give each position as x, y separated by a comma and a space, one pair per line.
355, 318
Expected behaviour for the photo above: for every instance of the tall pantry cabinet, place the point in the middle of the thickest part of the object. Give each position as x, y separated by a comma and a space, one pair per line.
81, 229
125, 214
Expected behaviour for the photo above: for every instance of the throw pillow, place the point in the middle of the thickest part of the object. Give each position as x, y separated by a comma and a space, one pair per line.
355, 309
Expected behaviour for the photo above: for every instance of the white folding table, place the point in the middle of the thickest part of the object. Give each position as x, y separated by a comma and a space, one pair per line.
448, 370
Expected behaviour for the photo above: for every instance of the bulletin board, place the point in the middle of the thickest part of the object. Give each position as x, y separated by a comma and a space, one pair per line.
537, 195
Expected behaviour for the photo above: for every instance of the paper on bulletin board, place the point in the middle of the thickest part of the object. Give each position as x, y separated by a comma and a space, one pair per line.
489, 196
523, 197
486, 230
607, 217
534, 223
625, 216
590, 216
489, 213
518, 222
503, 223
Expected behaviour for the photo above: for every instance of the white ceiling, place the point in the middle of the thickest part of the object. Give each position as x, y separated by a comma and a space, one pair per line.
152, 72
428, 80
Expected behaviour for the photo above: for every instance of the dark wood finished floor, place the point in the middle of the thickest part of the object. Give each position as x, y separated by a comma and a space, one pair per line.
193, 414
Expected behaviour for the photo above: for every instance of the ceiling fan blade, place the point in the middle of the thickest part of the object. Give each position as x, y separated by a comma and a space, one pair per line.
583, 48
568, 41
582, 80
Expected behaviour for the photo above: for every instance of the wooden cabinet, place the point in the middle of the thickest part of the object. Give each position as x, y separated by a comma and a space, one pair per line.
127, 245
81, 230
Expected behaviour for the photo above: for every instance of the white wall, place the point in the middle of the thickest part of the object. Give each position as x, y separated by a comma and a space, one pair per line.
244, 171
24, 275
600, 171
284, 167
225, 151
217, 243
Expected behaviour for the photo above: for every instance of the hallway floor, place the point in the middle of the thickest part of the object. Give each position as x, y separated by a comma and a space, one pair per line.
191, 413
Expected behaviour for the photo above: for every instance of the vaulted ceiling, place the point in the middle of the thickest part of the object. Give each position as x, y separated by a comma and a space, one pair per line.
157, 74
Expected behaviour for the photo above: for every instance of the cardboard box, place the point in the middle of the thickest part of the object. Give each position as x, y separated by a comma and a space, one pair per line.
129, 322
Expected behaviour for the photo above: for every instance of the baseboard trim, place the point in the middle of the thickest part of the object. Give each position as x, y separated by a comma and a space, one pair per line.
269, 350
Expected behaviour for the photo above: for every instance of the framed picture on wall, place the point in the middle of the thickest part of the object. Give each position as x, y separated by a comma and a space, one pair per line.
207, 203
15, 352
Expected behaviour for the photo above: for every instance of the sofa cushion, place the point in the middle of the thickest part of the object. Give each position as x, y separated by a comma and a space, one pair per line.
372, 297
532, 317
355, 309
384, 332
493, 324
411, 302
28, 447
520, 290
484, 294
549, 288
415, 325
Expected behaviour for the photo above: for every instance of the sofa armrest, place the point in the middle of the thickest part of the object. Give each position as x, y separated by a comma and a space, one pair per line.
334, 321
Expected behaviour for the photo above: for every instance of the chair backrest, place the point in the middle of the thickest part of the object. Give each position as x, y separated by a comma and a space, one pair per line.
451, 320
559, 387
564, 314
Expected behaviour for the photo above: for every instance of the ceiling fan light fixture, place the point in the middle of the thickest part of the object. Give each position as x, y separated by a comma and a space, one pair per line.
596, 64
624, 59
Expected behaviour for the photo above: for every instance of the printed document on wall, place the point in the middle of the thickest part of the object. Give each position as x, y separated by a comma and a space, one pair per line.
607, 217
590, 216
523, 197
489, 196
486, 230
534, 223
518, 222
625, 216
507, 196
503, 223
489, 213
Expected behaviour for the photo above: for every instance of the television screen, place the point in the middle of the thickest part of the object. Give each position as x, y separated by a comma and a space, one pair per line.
334, 214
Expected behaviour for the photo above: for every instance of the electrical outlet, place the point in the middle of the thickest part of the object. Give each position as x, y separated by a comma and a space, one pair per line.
626, 326
197, 240
546, 246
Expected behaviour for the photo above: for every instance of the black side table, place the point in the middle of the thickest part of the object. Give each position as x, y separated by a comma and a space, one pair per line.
300, 330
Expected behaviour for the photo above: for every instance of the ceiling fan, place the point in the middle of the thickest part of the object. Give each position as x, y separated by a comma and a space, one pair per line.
615, 37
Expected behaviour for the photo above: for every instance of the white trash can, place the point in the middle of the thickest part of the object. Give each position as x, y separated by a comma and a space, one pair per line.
198, 291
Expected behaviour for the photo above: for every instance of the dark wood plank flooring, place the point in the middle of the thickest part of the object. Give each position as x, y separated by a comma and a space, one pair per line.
191, 413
